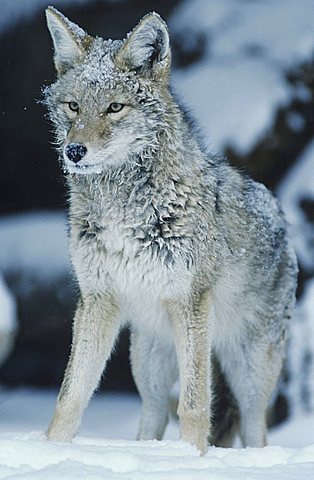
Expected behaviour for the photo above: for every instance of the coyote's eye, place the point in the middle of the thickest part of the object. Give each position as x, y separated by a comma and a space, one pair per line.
115, 107
74, 106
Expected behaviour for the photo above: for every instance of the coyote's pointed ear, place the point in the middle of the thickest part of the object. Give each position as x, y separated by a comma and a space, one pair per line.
68, 40
146, 49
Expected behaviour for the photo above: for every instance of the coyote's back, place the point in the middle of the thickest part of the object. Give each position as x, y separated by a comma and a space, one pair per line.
167, 238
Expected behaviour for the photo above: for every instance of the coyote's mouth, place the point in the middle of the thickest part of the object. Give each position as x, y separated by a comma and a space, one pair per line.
84, 169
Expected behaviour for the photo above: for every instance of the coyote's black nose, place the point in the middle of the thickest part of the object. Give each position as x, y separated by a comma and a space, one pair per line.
75, 151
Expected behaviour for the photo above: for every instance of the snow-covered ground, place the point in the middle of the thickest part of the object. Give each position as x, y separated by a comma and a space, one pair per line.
105, 447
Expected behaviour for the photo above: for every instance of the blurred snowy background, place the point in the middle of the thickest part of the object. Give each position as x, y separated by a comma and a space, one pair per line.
245, 69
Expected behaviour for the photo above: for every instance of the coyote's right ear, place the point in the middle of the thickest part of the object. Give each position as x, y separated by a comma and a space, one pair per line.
69, 40
146, 49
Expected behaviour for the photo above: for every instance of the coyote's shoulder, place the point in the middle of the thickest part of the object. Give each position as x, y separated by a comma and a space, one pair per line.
166, 237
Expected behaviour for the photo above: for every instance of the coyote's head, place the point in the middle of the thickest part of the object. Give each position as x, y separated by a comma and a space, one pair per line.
110, 103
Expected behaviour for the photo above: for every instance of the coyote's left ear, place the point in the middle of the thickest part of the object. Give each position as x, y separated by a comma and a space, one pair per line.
146, 49
69, 40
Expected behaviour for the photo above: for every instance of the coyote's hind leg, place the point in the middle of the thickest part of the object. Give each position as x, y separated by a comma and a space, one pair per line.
252, 374
154, 368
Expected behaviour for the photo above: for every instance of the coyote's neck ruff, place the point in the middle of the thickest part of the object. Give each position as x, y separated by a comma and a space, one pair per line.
165, 237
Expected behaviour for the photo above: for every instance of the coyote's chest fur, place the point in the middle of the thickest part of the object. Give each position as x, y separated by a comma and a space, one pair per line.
136, 251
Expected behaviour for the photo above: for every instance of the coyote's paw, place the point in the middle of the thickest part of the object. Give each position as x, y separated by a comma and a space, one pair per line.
58, 435
60, 431
195, 429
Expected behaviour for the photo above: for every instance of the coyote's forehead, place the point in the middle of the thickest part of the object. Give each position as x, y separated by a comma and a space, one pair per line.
99, 64
98, 73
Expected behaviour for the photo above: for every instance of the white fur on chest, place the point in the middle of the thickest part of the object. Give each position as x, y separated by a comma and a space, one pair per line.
114, 261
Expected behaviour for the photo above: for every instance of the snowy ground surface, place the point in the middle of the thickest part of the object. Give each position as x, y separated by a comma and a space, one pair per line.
105, 447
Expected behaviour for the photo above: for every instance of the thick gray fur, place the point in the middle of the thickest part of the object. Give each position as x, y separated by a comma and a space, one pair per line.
167, 238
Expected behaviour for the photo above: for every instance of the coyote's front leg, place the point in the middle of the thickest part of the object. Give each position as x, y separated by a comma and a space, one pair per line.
94, 332
192, 337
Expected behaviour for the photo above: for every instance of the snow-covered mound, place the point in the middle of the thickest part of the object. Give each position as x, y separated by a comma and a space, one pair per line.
34, 243
296, 186
237, 86
30, 456
8, 320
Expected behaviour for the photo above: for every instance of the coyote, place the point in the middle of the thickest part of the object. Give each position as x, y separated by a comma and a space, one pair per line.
167, 238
